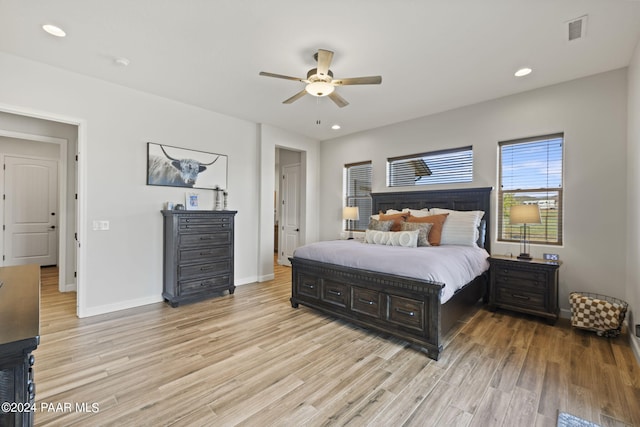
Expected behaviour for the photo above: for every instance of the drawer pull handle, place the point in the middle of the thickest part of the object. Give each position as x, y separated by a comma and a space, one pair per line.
205, 283
206, 268
206, 253
333, 292
405, 312
365, 301
306, 285
523, 297
205, 238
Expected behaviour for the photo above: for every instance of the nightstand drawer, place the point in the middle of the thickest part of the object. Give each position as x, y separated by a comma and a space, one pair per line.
526, 279
365, 301
519, 297
335, 293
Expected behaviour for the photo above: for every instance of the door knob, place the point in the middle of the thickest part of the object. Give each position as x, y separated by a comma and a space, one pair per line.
53, 227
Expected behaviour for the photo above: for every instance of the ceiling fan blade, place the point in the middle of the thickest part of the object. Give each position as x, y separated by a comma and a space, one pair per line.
370, 80
295, 97
324, 61
280, 76
340, 101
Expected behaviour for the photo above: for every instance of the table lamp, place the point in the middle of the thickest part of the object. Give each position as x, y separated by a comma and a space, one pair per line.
524, 214
350, 213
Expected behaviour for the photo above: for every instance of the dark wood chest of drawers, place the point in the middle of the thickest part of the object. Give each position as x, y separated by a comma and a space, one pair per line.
525, 286
198, 255
19, 336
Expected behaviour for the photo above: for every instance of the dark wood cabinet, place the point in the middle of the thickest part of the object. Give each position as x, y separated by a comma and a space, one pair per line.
525, 286
19, 336
198, 255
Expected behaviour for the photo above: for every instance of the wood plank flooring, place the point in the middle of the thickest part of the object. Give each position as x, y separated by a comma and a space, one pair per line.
250, 359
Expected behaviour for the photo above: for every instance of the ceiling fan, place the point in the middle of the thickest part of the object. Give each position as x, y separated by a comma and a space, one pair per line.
320, 81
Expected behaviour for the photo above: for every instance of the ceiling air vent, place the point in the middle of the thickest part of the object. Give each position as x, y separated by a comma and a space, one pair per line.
577, 28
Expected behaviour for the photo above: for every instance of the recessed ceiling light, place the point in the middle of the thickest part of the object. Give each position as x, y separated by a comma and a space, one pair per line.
335, 127
123, 62
523, 72
53, 30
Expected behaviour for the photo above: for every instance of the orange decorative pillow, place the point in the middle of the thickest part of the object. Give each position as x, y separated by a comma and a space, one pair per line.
436, 229
397, 219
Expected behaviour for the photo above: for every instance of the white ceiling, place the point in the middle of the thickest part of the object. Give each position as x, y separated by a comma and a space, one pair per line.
433, 55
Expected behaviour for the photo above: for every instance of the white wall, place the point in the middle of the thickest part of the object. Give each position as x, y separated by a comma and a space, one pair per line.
633, 194
592, 113
123, 266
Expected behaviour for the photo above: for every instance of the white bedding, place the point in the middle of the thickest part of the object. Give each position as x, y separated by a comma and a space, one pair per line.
452, 265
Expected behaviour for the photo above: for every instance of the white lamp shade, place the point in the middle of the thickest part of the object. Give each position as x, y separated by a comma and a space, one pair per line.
525, 214
350, 212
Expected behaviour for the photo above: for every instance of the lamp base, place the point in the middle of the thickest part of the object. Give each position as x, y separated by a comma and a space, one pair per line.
525, 257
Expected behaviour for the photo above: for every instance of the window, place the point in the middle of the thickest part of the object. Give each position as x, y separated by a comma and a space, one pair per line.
436, 167
357, 191
531, 173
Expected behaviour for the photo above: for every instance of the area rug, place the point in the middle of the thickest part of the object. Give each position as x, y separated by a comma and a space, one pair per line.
568, 420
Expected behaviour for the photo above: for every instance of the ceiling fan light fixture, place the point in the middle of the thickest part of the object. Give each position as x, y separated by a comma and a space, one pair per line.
319, 88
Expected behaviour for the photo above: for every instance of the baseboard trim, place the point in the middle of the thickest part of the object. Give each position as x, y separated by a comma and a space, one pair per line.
635, 346
124, 305
266, 277
70, 287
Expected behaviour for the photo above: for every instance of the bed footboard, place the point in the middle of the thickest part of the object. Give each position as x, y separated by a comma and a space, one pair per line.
406, 308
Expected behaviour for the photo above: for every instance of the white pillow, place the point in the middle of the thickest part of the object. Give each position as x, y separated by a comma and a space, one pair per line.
461, 227
407, 239
417, 212
376, 217
392, 212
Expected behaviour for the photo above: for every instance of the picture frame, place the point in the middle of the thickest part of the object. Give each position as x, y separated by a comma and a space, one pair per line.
191, 201
172, 166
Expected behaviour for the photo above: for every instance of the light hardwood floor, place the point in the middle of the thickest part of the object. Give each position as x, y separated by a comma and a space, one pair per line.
250, 359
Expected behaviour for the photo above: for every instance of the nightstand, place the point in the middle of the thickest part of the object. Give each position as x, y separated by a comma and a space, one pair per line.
525, 286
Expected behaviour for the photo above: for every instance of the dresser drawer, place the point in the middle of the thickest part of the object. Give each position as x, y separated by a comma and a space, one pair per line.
204, 285
520, 297
406, 312
193, 223
205, 239
203, 254
335, 293
204, 269
366, 301
309, 286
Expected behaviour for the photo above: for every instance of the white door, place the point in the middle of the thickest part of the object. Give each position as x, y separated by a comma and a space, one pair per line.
30, 211
290, 212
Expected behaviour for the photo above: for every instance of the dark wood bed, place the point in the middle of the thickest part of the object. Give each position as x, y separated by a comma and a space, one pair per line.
406, 308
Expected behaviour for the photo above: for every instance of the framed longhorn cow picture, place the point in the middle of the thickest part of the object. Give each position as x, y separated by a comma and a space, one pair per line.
180, 167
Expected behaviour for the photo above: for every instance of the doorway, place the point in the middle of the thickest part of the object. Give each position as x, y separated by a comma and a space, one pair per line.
31, 132
288, 207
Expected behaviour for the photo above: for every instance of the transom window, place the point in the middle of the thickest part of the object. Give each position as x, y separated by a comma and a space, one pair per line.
531, 174
357, 192
435, 167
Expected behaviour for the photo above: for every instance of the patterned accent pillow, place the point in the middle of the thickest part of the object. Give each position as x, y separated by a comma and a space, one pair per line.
397, 219
436, 229
407, 239
375, 224
423, 231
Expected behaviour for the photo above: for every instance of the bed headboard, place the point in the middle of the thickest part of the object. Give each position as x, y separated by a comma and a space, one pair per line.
462, 199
